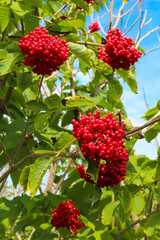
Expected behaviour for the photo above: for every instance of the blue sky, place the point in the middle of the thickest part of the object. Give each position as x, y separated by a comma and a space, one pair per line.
148, 68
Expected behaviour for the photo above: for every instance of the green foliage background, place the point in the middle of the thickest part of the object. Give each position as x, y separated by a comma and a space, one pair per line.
127, 211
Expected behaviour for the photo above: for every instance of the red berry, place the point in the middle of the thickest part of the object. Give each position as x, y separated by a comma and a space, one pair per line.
44, 52
94, 27
67, 216
119, 51
102, 138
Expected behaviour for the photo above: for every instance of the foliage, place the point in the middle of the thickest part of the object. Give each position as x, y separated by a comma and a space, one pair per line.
38, 172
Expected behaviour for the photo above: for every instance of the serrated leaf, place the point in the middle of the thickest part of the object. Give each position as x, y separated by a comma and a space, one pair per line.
138, 204
4, 18
150, 113
126, 199
36, 174
76, 23
72, 177
52, 101
152, 132
108, 212
63, 140
148, 170
129, 78
41, 121
81, 52
14, 131
81, 4
23, 181
20, 9
78, 101
151, 224
35, 106
6, 63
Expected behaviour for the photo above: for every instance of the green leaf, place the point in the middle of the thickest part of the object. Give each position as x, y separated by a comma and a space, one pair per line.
126, 199
138, 204
152, 132
152, 223
23, 181
3, 54
72, 177
36, 174
115, 91
4, 18
52, 101
81, 4
35, 106
41, 121
7, 62
108, 212
81, 52
150, 113
14, 133
44, 232
20, 9
128, 78
63, 140
148, 170
77, 23
78, 101
24, 81
96, 199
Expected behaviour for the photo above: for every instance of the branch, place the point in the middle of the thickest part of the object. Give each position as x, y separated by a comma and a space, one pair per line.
111, 14
60, 10
89, 43
72, 80
37, 155
6, 153
119, 15
136, 130
63, 176
136, 222
140, 40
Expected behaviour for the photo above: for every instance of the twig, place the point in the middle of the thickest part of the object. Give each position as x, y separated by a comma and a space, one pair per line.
134, 223
140, 40
35, 155
45, 89
2, 184
50, 77
52, 172
63, 176
89, 43
60, 10
6, 153
22, 26
39, 88
72, 80
131, 26
152, 50
119, 15
111, 14
136, 130
130, 9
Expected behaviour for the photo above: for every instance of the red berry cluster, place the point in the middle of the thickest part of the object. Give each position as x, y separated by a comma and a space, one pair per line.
101, 138
94, 27
119, 51
45, 53
67, 216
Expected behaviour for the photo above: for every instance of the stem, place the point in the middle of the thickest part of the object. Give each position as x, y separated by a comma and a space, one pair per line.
6, 153
35, 155
63, 176
60, 10
72, 80
111, 14
134, 223
136, 130
89, 43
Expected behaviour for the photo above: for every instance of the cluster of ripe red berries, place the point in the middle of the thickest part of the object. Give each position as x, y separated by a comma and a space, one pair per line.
101, 138
29, 136
45, 53
67, 216
119, 51
94, 27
